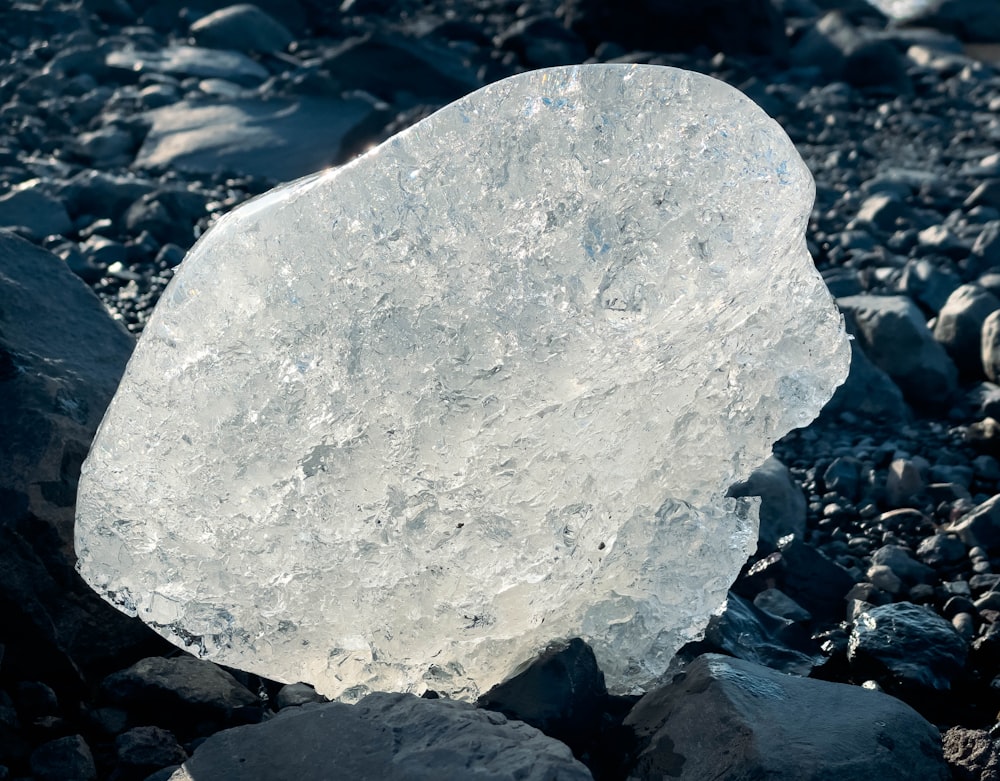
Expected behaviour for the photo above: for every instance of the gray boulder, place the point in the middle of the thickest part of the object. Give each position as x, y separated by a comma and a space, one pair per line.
782, 503
390, 737
730, 719
868, 391
990, 346
970, 20
894, 335
279, 139
32, 209
243, 27
61, 356
960, 324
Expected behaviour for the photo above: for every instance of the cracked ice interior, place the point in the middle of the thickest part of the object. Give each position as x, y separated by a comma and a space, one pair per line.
401, 424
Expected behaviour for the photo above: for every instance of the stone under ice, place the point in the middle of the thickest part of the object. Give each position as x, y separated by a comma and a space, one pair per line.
401, 424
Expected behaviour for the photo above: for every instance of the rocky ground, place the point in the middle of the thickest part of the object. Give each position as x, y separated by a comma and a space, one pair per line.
129, 126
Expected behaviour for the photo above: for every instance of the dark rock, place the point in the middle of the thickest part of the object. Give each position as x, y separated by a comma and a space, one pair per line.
972, 754
190, 61
942, 549
182, 693
990, 346
779, 604
959, 327
61, 357
986, 248
385, 736
807, 576
903, 565
731, 26
560, 693
543, 42
928, 284
984, 435
906, 648
782, 504
103, 195
844, 477
279, 139
243, 27
144, 750
404, 71
883, 211
108, 146
981, 525
985, 194
894, 335
940, 240
730, 719
294, 694
36, 700
868, 391
970, 20
903, 482
30, 207
747, 632
843, 52
64, 759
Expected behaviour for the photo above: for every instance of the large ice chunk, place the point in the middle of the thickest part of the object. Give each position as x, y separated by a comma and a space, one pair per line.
401, 424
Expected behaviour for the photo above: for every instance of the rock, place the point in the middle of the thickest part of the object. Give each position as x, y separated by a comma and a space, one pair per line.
436, 571
181, 693
843, 52
942, 550
883, 210
990, 346
970, 20
868, 391
190, 61
777, 603
894, 335
277, 139
108, 146
843, 476
906, 648
144, 750
168, 214
31, 208
903, 565
806, 575
727, 718
64, 759
959, 327
986, 248
782, 503
384, 736
244, 27
294, 694
903, 482
748, 632
403, 71
927, 283
972, 754
732, 26
560, 693
102, 195
981, 525
543, 42
61, 357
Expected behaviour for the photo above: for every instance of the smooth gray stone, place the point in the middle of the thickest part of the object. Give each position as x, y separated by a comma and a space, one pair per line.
726, 718
894, 335
191, 61
278, 139
33, 209
782, 503
390, 737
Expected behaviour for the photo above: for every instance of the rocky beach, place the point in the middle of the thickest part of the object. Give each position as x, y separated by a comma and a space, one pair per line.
861, 640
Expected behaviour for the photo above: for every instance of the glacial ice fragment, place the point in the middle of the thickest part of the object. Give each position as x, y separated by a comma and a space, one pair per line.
401, 424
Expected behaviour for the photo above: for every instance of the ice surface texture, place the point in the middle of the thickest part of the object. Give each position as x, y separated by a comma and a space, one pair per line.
401, 424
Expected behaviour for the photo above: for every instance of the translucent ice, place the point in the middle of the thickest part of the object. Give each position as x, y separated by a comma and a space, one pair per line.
401, 424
